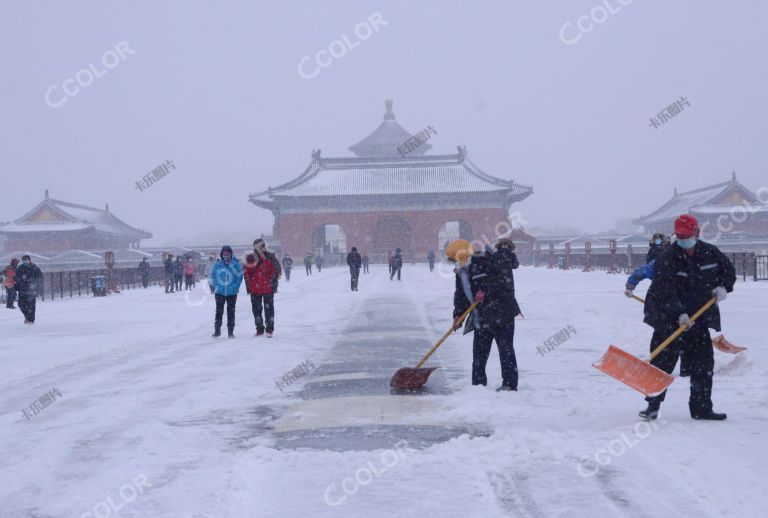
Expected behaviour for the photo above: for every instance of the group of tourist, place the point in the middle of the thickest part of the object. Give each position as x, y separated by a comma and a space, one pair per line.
22, 281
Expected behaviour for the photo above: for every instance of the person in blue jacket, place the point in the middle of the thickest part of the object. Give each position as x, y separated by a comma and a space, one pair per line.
641, 272
226, 277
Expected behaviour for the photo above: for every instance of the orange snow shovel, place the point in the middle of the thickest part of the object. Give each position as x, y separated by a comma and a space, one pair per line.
639, 374
719, 342
408, 378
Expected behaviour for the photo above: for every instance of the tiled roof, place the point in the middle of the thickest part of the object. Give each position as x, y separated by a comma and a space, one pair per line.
67, 217
682, 203
384, 140
439, 174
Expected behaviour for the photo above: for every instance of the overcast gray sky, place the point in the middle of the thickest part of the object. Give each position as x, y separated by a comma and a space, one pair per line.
215, 87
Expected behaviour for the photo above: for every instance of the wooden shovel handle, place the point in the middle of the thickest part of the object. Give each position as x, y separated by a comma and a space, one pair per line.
454, 326
682, 328
640, 299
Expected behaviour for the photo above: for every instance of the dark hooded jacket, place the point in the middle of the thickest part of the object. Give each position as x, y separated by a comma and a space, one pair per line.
487, 273
683, 284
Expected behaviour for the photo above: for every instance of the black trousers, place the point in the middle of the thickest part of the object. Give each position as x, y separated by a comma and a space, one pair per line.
355, 274
230, 301
11, 292
309, 269
169, 285
365, 267
189, 282
481, 350
266, 301
395, 271
178, 281
319, 268
431, 265
287, 274
145, 280
695, 348
27, 305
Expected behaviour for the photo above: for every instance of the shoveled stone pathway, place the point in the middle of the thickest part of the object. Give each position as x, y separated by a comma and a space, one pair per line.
347, 403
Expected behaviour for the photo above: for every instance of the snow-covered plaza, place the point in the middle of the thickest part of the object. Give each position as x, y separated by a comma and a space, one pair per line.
144, 414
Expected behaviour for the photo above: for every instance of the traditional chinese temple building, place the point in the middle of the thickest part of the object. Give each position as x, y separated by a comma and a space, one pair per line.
721, 208
382, 200
56, 226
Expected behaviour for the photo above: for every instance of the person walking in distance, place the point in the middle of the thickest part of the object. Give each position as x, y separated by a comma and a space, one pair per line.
686, 275
389, 263
144, 271
431, 260
189, 274
397, 264
355, 262
178, 273
366, 261
27, 279
259, 272
226, 277
319, 263
287, 265
308, 263
10, 283
168, 270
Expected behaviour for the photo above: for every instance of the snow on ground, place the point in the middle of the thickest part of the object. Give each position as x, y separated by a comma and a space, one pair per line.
158, 419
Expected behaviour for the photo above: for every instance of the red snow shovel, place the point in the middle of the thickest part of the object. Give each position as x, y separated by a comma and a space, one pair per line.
409, 378
719, 342
639, 374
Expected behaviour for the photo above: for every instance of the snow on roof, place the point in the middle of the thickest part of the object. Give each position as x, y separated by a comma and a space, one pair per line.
686, 202
59, 216
369, 176
384, 140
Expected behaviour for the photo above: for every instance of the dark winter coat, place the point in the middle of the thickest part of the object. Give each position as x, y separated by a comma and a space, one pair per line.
365, 260
354, 260
28, 276
683, 284
259, 275
307, 260
278, 269
319, 260
178, 268
287, 263
653, 252
507, 260
487, 273
168, 264
397, 261
144, 268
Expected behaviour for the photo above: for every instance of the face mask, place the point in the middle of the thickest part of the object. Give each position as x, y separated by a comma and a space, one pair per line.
687, 244
658, 241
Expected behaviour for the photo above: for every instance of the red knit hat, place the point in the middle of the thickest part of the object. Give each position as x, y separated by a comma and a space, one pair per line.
686, 225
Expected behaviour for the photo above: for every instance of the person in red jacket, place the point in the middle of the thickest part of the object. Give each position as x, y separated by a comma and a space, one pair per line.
10, 283
189, 274
259, 273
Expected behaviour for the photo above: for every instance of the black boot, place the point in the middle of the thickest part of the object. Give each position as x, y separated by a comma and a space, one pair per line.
652, 412
709, 416
216, 333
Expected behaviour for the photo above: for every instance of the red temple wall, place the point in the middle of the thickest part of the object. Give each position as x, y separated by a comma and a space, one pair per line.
295, 231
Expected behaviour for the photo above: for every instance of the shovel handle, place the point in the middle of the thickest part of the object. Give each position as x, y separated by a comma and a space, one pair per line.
639, 299
682, 328
454, 326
